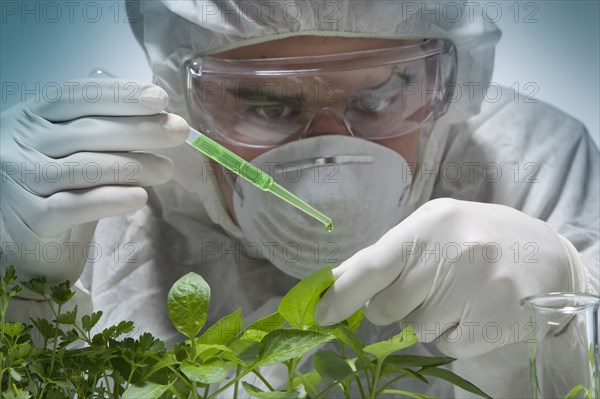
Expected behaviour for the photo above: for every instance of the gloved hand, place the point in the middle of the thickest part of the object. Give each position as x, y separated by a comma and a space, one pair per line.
70, 157
456, 270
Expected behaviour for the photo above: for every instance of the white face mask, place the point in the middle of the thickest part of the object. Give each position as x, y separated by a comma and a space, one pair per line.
361, 185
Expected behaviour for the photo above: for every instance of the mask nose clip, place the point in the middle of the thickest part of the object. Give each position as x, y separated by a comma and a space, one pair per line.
335, 126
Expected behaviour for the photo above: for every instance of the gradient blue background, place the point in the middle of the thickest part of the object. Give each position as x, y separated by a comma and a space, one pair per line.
559, 52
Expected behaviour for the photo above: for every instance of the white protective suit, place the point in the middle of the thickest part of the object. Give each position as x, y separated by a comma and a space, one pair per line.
185, 226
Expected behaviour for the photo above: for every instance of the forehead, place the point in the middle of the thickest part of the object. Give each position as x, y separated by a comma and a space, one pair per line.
309, 45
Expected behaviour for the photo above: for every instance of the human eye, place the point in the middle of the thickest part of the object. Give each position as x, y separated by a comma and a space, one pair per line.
274, 110
379, 99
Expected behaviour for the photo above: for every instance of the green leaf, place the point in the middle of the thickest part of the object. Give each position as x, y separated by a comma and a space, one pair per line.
16, 393
258, 393
344, 335
211, 372
405, 393
45, 328
15, 289
573, 392
383, 349
61, 293
13, 329
309, 381
281, 345
22, 350
224, 330
88, 322
454, 379
416, 361
331, 366
254, 333
355, 320
298, 305
37, 285
14, 374
9, 276
269, 323
206, 352
68, 318
167, 361
149, 390
187, 304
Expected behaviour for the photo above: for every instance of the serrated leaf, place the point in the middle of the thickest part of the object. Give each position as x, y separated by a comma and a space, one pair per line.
61, 293
281, 345
37, 285
21, 351
14, 291
187, 304
88, 322
454, 379
45, 328
9, 275
224, 330
398, 342
13, 329
148, 390
258, 393
68, 318
331, 366
211, 372
298, 305
16, 393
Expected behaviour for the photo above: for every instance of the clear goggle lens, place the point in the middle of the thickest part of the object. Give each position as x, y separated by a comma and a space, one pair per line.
374, 94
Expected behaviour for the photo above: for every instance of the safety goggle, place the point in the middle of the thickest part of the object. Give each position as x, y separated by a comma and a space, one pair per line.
374, 94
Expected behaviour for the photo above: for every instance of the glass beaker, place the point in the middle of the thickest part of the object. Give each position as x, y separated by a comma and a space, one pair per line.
564, 352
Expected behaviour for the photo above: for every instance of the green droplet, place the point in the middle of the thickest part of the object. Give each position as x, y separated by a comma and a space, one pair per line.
329, 227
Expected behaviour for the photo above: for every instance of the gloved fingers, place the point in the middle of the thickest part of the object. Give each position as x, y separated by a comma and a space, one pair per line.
100, 133
61, 210
405, 294
106, 97
358, 279
84, 170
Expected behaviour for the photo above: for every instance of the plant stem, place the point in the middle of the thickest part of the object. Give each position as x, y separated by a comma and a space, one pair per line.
374, 391
263, 379
194, 354
360, 387
224, 387
387, 384
206, 389
55, 340
323, 392
237, 381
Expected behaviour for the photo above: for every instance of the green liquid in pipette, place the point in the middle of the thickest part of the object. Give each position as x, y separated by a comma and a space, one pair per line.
251, 173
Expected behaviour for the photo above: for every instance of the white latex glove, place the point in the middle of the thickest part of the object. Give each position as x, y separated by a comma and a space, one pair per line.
456, 270
68, 160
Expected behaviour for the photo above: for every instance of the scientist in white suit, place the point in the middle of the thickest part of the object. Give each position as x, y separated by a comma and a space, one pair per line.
451, 198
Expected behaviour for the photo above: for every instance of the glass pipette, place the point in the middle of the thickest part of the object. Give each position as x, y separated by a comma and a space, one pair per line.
251, 173
239, 166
